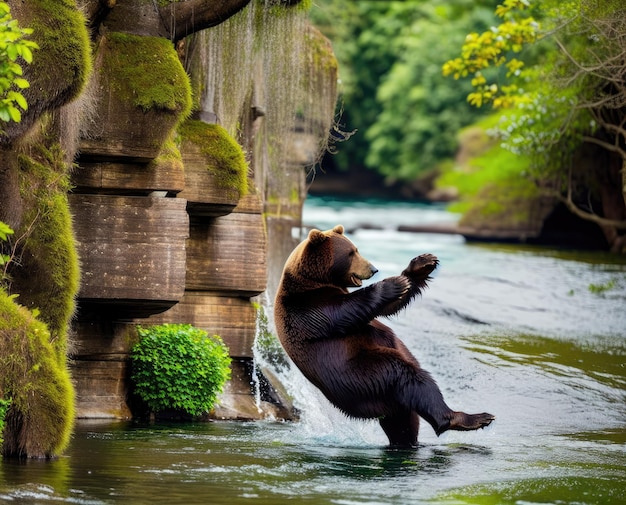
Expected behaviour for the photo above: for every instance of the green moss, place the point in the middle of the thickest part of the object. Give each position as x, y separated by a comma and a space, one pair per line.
280, 7
321, 52
63, 63
40, 417
146, 71
4, 407
50, 267
224, 156
169, 155
47, 275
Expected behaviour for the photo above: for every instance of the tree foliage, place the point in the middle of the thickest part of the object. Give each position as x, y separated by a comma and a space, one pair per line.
5, 231
392, 91
570, 97
496, 47
14, 47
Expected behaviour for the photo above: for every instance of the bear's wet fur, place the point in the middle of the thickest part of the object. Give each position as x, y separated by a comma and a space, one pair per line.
332, 335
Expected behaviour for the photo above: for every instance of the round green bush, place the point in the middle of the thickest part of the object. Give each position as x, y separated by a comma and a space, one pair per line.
180, 367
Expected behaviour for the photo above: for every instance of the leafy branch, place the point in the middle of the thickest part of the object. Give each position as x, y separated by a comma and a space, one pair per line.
13, 47
14, 257
490, 49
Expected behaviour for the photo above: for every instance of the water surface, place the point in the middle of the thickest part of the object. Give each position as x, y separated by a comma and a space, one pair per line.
535, 336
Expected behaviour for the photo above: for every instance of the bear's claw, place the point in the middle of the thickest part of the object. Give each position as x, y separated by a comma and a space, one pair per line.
421, 266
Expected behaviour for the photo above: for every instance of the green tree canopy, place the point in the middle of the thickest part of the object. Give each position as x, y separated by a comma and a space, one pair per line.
390, 53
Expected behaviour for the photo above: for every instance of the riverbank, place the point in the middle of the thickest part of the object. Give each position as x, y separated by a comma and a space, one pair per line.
556, 227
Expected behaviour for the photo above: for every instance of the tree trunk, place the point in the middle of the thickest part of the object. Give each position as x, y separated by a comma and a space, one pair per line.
188, 16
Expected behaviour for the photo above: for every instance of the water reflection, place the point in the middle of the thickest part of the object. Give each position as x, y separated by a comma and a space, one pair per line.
226, 462
601, 359
578, 489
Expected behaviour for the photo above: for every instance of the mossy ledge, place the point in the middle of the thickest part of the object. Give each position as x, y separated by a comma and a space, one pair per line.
169, 155
146, 72
40, 419
224, 156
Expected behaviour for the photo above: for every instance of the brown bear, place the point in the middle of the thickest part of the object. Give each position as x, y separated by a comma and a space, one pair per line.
332, 335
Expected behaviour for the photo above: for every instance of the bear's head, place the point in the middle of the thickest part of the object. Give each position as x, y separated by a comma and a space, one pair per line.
328, 257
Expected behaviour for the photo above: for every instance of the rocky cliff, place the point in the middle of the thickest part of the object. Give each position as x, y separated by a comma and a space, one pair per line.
162, 161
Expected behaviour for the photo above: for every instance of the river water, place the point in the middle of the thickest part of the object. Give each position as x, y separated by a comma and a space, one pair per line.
535, 336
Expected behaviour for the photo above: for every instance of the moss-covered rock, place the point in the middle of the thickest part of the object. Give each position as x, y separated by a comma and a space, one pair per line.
40, 418
142, 92
224, 157
146, 72
169, 156
62, 64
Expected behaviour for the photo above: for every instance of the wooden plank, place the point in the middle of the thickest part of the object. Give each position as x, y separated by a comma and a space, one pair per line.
204, 195
228, 254
130, 248
102, 339
130, 177
232, 318
100, 389
250, 203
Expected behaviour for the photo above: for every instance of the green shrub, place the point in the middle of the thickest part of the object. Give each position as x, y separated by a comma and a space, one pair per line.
178, 366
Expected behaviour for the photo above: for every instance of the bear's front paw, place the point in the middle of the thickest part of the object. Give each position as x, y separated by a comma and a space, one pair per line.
395, 287
421, 267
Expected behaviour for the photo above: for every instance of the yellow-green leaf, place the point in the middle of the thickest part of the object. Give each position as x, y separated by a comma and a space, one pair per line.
15, 114
20, 100
21, 83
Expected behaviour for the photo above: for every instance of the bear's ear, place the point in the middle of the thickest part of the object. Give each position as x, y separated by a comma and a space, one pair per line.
338, 229
317, 237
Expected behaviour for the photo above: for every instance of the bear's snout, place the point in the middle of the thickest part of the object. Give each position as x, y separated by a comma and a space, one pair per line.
365, 271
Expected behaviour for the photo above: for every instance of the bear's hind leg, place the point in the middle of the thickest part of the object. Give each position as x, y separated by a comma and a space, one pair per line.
401, 428
388, 381
423, 394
